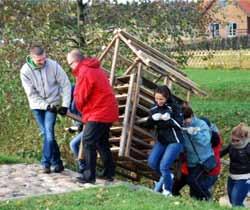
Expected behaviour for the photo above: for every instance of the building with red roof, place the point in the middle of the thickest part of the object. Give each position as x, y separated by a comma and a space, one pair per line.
230, 18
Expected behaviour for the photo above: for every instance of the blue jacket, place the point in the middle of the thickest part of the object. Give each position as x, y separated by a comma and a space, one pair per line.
201, 141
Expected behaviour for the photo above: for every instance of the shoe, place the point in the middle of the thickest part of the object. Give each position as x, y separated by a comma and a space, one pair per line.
85, 181
46, 170
166, 192
107, 178
58, 169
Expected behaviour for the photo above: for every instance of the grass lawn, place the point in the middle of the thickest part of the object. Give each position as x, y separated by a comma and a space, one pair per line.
7, 159
228, 100
122, 197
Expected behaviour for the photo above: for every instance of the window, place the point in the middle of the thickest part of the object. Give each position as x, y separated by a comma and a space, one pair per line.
232, 28
215, 29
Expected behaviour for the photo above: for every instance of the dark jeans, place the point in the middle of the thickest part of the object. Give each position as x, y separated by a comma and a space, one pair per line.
96, 137
200, 183
237, 190
46, 121
179, 184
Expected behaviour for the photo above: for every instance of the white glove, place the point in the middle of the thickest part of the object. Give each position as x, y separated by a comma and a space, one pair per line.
156, 116
165, 116
193, 130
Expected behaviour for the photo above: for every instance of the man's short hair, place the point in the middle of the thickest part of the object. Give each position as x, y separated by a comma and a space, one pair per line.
76, 55
37, 50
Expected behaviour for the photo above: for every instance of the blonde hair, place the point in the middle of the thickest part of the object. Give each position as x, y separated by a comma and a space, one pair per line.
241, 131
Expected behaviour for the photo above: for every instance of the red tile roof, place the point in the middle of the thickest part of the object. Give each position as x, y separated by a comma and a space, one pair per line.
245, 5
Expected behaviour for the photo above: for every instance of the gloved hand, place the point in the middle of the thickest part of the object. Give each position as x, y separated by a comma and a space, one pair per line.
62, 110
52, 108
156, 116
165, 116
193, 130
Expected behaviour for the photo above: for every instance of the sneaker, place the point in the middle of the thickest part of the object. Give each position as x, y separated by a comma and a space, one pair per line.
58, 169
85, 181
166, 193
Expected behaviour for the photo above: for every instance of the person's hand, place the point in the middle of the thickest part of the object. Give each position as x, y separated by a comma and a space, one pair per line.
62, 110
52, 108
193, 130
165, 116
156, 116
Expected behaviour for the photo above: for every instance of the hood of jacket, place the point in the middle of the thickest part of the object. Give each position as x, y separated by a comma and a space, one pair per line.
88, 63
32, 64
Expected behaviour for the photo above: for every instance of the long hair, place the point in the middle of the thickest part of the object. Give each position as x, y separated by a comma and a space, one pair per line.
164, 90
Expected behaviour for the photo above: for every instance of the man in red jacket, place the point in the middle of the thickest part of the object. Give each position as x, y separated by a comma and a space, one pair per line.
96, 101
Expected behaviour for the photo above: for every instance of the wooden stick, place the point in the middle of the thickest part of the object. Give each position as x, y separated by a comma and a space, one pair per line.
126, 116
135, 102
143, 143
168, 82
74, 116
154, 51
130, 68
108, 48
112, 73
161, 67
188, 96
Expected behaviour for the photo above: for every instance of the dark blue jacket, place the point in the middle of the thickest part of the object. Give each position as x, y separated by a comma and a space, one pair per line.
168, 131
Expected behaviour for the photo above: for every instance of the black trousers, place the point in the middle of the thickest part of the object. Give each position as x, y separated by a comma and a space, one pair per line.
96, 137
197, 182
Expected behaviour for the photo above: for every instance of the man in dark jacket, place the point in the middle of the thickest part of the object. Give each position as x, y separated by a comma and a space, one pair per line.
95, 98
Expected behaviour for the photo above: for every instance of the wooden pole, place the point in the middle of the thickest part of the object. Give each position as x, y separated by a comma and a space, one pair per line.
74, 116
126, 116
188, 96
130, 68
107, 48
168, 82
135, 102
112, 73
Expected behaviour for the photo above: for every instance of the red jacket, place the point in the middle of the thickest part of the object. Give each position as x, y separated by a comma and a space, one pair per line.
93, 95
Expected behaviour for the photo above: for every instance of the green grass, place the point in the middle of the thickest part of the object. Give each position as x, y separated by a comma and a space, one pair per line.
6, 159
228, 99
223, 84
122, 197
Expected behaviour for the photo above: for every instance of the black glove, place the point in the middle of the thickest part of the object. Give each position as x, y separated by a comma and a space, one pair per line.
62, 110
52, 108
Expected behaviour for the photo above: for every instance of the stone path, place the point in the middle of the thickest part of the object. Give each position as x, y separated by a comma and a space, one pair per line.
24, 180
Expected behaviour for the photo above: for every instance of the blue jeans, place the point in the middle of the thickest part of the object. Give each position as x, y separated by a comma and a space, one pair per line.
74, 146
46, 121
161, 158
237, 190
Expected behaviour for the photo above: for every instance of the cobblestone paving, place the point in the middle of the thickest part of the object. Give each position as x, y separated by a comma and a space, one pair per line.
23, 180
